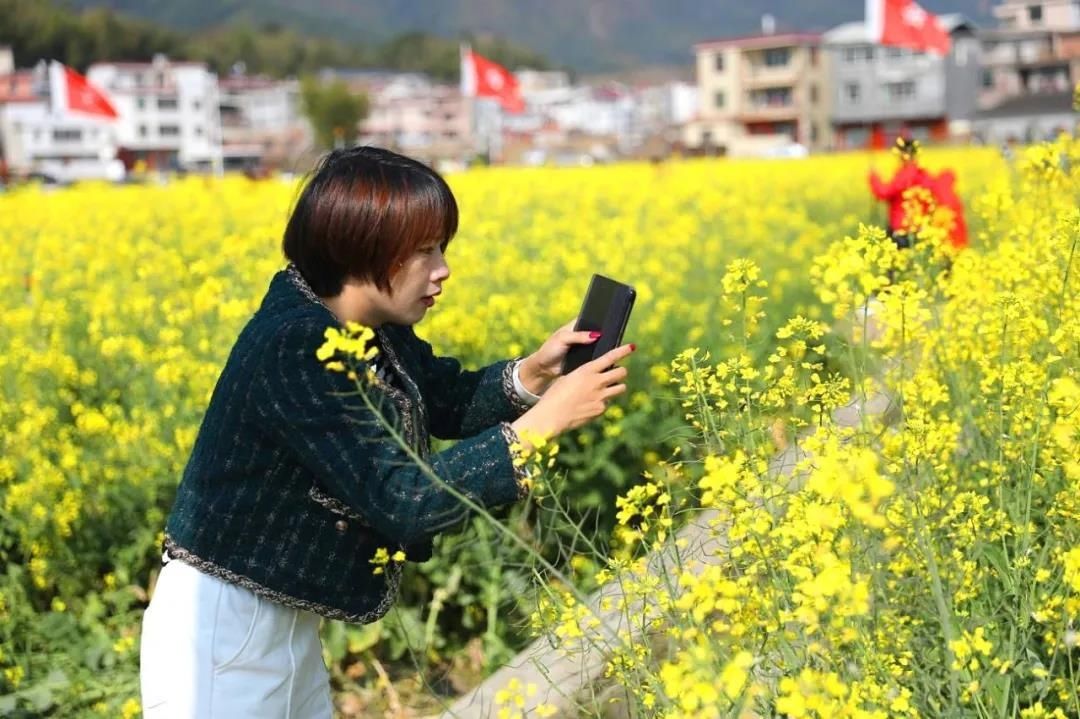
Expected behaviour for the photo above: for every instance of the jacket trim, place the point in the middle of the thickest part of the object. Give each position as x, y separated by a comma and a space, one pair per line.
516, 401
521, 474
414, 435
393, 580
414, 414
334, 505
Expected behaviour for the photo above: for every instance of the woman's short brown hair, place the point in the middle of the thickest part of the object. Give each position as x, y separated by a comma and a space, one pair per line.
363, 211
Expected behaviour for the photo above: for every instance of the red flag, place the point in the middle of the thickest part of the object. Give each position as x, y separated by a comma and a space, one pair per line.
904, 23
71, 92
481, 77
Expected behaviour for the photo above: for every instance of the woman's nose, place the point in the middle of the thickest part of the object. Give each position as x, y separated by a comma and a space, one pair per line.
441, 272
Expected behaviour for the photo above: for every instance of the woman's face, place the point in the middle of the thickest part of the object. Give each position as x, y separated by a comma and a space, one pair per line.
416, 284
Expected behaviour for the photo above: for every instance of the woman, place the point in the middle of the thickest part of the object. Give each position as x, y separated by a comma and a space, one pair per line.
293, 487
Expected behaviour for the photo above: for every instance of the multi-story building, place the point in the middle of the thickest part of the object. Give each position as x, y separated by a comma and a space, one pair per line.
760, 92
661, 111
1030, 66
262, 125
409, 113
169, 116
1023, 62
1038, 14
879, 92
591, 122
428, 120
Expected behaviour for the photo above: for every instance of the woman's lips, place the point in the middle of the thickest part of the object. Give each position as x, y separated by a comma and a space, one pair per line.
428, 301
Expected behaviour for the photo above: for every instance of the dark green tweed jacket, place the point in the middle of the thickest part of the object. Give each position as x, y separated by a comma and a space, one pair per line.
293, 485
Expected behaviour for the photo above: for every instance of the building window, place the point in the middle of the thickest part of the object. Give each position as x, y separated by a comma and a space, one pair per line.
856, 137
1035, 14
858, 53
962, 52
785, 128
777, 57
920, 133
198, 131
851, 93
196, 105
771, 97
813, 94
813, 132
987, 79
900, 91
895, 53
813, 56
140, 103
718, 99
169, 130
718, 61
142, 131
167, 103
66, 135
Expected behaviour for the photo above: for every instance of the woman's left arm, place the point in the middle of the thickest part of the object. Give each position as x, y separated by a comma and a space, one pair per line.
463, 402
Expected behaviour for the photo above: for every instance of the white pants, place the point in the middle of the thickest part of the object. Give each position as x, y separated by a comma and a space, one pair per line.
214, 650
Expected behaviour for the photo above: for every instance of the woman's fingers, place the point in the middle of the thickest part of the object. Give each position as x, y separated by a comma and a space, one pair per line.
613, 375
583, 337
612, 391
610, 357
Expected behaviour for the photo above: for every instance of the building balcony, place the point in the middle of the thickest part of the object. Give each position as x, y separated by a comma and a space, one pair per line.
769, 113
755, 76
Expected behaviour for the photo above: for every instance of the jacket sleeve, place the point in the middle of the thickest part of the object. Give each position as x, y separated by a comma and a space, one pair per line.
463, 402
881, 189
321, 418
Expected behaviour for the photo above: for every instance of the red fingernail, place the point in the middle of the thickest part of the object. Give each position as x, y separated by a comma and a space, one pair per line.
593, 335
633, 346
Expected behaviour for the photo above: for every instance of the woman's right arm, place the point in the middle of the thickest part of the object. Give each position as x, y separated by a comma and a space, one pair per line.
320, 416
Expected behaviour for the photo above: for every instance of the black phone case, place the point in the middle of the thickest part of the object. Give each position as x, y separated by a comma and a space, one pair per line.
616, 315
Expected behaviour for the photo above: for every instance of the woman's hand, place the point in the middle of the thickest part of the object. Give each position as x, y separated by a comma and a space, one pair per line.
576, 398
544, 366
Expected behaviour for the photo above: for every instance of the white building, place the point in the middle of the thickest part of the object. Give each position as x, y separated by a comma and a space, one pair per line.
260, 103
537, 80
169, 117
661, 110
262, 125
36, 139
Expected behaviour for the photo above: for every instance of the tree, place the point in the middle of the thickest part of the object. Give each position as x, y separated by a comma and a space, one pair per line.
334, 111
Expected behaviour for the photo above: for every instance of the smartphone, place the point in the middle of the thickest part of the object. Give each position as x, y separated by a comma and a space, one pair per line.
606, 310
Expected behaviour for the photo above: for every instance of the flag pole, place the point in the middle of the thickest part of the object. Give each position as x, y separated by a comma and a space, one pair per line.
55, 80
468, 93
872, 19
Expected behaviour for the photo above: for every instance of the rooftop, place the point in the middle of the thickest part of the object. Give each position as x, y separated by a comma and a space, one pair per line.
779, 39
1048, 103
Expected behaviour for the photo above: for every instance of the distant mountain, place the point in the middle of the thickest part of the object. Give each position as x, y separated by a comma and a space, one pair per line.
587, 35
